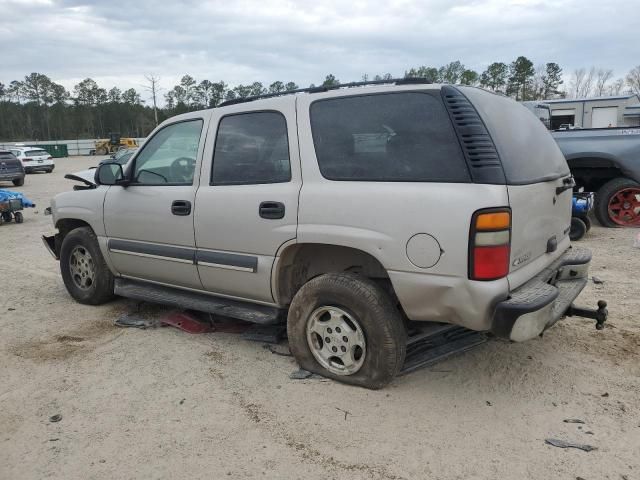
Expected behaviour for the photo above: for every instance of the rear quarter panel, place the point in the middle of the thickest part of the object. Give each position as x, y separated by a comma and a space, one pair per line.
381, 217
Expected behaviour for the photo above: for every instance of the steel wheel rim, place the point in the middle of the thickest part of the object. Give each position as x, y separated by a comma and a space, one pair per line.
336, 340
624, 207
82, 268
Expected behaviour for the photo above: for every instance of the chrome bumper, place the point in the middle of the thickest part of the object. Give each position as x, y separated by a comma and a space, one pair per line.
543, 300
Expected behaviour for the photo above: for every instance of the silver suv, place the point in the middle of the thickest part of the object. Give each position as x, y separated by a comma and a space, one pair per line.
352, 212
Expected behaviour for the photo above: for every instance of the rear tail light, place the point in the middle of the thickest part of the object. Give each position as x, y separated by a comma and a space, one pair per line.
490, 244
49, 158
27, 159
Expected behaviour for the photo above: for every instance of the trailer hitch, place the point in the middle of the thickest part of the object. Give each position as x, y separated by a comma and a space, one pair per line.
600, 315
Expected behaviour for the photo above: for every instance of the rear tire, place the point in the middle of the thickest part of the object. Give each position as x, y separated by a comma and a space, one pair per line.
578, 229
18, 217
367, 314
587, 222
84, 271
18, 182
608, 196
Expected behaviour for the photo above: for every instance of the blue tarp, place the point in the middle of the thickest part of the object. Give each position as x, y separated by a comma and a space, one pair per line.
9, 194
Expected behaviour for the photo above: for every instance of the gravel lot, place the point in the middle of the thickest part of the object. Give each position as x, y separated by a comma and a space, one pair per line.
165, 404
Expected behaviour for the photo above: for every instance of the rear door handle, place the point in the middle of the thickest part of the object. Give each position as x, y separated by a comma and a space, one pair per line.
181, 207
271, 210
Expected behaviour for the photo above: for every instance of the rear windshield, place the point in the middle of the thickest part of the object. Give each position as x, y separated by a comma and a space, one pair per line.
36, 153
391, 137
7, 156
528, 152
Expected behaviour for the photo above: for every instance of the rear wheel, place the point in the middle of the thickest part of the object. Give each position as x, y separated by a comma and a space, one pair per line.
84, 271
578, 229
18, 217
347, 328
587, 222
18, 182
618, 203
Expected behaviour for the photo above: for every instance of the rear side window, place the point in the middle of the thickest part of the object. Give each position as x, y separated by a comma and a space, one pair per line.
251, 148
528, 152
397, 137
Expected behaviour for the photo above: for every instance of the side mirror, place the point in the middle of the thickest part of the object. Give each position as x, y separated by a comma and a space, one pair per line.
109, 174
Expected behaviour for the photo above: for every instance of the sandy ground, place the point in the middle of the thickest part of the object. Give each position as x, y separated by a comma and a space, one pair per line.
164, 404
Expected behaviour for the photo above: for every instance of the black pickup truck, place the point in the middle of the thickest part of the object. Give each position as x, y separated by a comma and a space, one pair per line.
606, 161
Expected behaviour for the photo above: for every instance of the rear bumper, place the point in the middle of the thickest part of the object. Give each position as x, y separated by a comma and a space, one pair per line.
11, 175
543, 300
38, 167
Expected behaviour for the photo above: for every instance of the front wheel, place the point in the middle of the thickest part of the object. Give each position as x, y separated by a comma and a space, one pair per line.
618, 203
84, 271
346, 327
18, 182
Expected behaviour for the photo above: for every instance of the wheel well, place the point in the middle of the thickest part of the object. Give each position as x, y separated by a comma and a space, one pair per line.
65, 225
301, 262
593, 172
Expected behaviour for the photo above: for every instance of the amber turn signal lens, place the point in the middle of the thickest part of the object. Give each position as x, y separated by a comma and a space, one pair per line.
493, 221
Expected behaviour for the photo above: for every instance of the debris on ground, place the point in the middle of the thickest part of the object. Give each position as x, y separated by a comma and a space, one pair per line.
300, 374
346, 412
573, 420
597, 280
273, 350
133, 321
55, 418
555, 442
186, 322
605, 394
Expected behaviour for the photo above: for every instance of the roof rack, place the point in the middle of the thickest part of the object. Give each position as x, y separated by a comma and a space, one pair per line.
394, 81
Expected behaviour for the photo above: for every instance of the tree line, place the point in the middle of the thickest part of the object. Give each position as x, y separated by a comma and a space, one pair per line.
38, 108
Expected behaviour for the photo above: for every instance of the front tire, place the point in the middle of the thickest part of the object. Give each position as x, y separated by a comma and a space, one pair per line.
84, 270
618, 203
18, 182
346, 327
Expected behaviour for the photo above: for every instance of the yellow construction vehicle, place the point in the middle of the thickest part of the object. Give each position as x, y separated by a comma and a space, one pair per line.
115, 142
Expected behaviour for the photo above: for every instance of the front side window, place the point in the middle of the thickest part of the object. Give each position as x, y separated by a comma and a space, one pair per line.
404, 137
251, 148
170, 156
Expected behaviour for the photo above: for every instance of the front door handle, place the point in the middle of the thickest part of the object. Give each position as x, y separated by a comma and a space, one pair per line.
181, 207
271, 210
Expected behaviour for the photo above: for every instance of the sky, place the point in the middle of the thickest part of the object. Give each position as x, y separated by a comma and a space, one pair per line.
118, 42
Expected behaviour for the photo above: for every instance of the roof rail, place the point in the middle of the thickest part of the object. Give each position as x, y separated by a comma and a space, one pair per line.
395, 81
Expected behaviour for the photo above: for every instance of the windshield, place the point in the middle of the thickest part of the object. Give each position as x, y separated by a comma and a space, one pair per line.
544, 114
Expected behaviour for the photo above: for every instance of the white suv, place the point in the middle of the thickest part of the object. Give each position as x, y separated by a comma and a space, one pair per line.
354, 213
34, 159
